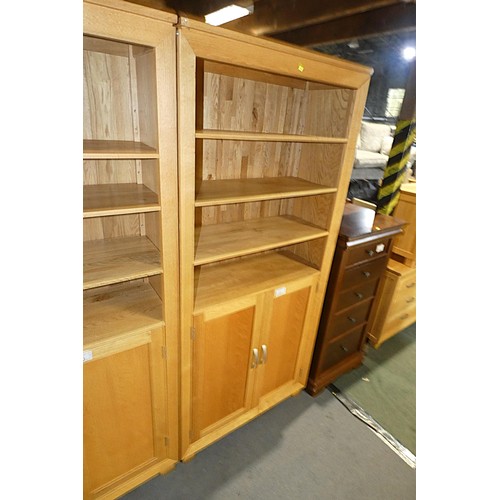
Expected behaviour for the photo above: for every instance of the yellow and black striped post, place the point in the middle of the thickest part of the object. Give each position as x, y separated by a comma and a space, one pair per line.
388, 194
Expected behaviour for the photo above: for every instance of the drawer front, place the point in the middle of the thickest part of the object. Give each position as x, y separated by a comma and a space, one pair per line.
354, 295
405, 294
362, 274
347, 320
368, 251
400, 320
336, 351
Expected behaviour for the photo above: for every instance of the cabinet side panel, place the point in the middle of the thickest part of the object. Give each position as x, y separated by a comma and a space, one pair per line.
146, 95
118, 433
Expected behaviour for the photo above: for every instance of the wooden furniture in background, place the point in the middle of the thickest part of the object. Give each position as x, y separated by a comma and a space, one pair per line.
363, 247
396, 304
267, 134
130, 250
405, 245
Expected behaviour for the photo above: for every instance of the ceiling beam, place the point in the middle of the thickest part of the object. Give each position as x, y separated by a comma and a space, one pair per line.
385, 20
277, 16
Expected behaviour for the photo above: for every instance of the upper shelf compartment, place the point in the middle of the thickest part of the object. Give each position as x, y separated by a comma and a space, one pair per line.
245, 104
119, 100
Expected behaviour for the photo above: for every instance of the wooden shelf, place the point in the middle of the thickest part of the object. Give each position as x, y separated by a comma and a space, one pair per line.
233, 135
126, 309
221, 192
234, 239
99, 149
119, 259
118, 199
218, 283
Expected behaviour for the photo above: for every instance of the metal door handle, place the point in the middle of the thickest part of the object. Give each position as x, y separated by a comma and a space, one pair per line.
263, 359
255, 360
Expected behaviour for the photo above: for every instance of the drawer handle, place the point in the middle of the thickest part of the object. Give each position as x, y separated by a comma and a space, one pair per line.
370, 252
366, 274
404, 316
411, 299
344, 348
359, 295
351, 319
411, 285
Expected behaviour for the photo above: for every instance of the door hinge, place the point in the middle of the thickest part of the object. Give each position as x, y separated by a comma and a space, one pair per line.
166, 441
193, 332
300, 372
164, 352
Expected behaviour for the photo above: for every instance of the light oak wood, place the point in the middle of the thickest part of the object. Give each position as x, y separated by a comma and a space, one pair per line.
224, 241
221, 361
395, 306
130, 231
221, 192
125, 309
406, 209
120, 393
119, 259
253, 117
222, 282
112, 199
257, 136
102, 149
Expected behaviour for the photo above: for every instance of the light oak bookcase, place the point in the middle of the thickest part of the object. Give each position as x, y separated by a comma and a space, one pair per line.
130, 248
267, 134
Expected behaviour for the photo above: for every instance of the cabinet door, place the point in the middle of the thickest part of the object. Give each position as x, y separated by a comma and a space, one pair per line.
283, 342
223, 358
124, 413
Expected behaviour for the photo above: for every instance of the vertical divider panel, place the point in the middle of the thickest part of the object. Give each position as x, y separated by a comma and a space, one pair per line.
186, 99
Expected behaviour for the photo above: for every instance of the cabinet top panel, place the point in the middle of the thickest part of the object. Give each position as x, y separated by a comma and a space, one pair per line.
224, 45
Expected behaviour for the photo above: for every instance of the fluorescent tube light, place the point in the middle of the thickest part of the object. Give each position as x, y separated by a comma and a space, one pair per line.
226, 14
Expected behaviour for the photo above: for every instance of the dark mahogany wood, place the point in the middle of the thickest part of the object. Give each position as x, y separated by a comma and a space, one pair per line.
363, 246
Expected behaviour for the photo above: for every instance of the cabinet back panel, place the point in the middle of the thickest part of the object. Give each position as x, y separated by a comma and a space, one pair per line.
312, 209
248, 159
254, 101
119, 93
109, 171
117, 226
246, 105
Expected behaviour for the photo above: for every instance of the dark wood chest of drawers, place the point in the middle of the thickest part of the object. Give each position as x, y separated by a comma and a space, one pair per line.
363, 248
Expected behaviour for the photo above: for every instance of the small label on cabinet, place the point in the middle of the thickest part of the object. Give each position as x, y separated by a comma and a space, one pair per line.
278, 292
379, 248
87, 356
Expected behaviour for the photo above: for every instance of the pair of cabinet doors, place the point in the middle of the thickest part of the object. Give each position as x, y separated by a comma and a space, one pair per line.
246, 357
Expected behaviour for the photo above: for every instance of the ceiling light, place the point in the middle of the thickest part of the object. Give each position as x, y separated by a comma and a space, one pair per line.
409, 53
229, 13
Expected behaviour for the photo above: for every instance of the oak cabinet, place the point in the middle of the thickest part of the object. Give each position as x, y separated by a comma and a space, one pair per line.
130, 246
246, 356
267, 134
